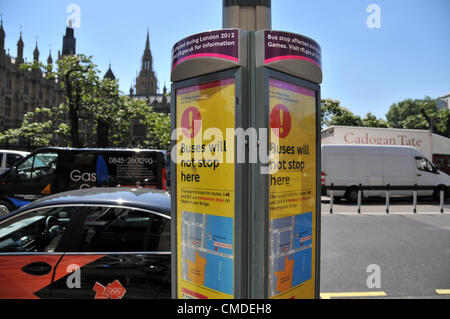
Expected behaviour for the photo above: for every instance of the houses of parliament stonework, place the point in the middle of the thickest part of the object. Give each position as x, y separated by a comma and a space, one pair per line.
21, 91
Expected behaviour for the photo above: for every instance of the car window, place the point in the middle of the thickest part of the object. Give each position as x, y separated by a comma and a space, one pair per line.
11, 159
115, 229
37, 166
36, 231
424, 165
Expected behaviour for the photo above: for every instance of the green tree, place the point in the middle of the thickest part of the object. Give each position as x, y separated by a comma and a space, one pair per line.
419, 114
94, 114
332, 113
372, 121
41, 127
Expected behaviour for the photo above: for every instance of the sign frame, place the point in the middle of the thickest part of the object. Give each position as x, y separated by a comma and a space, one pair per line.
198, 62
240, 270
260, 288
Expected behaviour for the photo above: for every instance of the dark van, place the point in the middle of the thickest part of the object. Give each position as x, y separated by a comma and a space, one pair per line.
52, 170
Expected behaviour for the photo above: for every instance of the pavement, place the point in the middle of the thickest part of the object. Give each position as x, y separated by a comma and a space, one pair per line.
400, 205
410, 252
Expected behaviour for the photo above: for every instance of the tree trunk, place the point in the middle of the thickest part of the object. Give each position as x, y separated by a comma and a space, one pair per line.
102, 133
73, 112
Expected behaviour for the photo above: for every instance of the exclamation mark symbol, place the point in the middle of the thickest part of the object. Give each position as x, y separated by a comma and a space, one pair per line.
191, 120
281, 122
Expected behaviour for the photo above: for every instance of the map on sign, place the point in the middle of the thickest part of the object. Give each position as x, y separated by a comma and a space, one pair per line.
207, 250
291, 249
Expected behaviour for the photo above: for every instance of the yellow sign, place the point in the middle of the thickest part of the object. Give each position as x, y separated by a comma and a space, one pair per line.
292, 191
205, 190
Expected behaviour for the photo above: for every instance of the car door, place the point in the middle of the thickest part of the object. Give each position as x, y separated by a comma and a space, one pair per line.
2, 163
33, 178
124, 253
30, 250
399, 170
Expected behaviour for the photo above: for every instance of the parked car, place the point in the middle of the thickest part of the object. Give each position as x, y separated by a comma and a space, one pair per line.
9, 157
89, 243
52, 170
369, 165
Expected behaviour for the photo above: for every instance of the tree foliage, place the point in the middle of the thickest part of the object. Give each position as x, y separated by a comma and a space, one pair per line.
372, 121
419, 114
94, 113
407, 114
332, 114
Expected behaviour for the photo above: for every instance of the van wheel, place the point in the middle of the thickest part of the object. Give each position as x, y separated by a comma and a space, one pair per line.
5, 207
352, 194
437, 193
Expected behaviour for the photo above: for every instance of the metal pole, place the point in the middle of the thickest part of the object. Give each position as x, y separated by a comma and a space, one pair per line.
359, 199
331, 199
442, 201
387, 198
247, 14
415, 199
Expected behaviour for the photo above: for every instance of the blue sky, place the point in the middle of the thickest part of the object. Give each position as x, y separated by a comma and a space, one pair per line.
367, 69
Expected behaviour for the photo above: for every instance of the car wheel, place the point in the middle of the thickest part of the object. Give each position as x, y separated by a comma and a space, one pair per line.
352, 195
5, 207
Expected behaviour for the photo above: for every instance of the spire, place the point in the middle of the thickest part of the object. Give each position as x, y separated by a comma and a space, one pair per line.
146, 82
131, 89
147, 43
20, 46
36, 52
109, 74
2, 35
69, 41
147, 56
49, 59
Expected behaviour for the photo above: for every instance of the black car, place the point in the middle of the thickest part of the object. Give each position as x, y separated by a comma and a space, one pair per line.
106, 243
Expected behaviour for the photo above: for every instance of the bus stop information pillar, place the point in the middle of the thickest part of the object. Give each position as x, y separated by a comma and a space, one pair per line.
245, 164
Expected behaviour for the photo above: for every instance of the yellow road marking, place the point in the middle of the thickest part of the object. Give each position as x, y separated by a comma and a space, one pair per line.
329, 295
443, 291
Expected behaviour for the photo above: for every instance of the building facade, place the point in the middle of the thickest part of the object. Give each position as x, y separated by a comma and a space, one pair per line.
22, 91
443, 102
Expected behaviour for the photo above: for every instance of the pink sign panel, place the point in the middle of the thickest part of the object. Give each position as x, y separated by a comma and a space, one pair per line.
222, 44
280, 46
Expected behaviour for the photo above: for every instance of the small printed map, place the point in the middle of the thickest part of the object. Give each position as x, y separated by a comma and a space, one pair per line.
207, 250
290, 252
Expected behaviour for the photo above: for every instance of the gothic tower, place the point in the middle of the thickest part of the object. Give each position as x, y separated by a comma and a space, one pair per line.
2, 38
146, 82
69, 42
19, 59
50, 59
109, 74
36, 53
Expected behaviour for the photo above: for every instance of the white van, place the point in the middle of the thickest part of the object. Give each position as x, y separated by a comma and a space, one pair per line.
8, 158
371, 165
